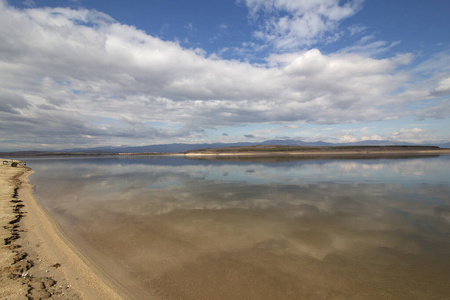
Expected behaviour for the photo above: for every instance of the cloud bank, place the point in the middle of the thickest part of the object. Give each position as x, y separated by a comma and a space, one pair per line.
76, 76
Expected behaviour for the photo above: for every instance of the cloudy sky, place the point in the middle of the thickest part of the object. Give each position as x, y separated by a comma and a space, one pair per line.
85, 73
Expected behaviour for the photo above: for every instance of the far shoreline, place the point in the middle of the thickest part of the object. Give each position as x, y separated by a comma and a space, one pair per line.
322, 154
258, 152
300, 153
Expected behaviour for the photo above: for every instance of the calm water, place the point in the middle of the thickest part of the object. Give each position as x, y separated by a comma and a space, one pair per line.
170, 227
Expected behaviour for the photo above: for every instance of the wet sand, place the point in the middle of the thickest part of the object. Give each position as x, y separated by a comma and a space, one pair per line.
37, 261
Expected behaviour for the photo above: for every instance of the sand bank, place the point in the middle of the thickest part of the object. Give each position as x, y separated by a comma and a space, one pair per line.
344, 153
37, 261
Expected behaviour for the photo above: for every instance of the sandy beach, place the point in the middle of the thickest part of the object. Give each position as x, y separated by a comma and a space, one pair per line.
37, 261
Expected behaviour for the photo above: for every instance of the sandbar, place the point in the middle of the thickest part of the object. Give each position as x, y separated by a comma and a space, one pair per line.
325, 152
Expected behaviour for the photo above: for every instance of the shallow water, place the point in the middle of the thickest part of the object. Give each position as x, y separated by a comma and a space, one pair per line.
170, 227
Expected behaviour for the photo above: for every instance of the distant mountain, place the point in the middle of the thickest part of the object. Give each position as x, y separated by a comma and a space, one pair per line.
444, 145
378, 143
361, 143
180, 147
170, 148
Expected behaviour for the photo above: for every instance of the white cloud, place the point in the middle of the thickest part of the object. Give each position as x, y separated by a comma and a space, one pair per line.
295, 24
347, 139
356, 29
442, 88
189, 27
66, 74
419, 133
29, 3
415, 135
427, 88
368, 46
437, 110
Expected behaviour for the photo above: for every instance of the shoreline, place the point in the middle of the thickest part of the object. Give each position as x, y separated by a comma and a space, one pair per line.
387, 153
38, 261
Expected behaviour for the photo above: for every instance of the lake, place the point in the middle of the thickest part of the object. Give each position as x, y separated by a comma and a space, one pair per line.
177, 228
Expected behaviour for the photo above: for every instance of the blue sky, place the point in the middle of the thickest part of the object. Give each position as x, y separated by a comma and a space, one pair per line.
95, 73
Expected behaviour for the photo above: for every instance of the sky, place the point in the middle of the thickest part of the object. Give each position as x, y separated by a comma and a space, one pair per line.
88, 73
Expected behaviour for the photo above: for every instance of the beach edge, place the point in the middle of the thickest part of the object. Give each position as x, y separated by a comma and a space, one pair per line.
53, 266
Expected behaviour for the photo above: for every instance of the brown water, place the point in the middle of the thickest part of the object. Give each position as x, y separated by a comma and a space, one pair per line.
173, 228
